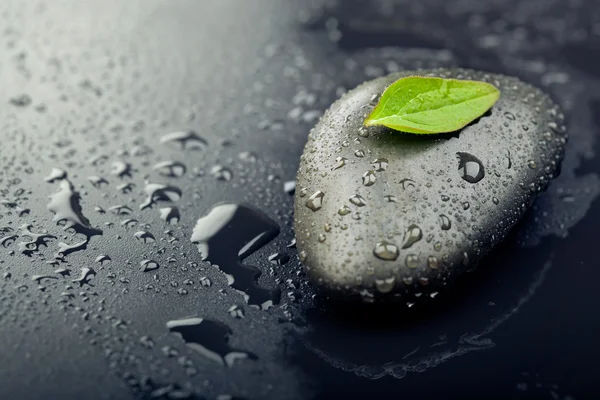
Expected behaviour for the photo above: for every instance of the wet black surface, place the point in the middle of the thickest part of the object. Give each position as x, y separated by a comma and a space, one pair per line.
95, 88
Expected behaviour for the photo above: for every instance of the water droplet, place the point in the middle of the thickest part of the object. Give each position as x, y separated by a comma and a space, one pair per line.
407, 184
315, 202
445, 222
121, 169
172, 169
170, 215
390, 199
322, 238
144, 236
507, 159
380, 164
363, 132
385, 285
102, 258
187, 140
148, 265
56, 175
531, 164
85, 276
97, 181
65, 204
156, 192
466, 205
210, 339
28, 247
344, 210
126, 187
359, 153
228, 234
339, 162
412, 235
509, 116
433, 262
279, 259
412, 261
221, 173
495, 200
236, 312
120, 209
470, 168
369, 178
386, 251
358, 200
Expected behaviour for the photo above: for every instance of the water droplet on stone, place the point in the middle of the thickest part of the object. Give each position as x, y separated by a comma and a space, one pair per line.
339, 162
412, 235
470, 168
385, 285
359, 153
344, 210
386, 251
369, 178
315, 202
445, 223
433, 262
380, 164
412, 261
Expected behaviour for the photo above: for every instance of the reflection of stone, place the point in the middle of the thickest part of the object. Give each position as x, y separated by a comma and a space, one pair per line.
420, 359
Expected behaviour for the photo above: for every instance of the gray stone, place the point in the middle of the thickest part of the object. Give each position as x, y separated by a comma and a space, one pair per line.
393, 216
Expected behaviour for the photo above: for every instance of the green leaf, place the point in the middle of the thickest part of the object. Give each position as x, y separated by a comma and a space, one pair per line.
426, 105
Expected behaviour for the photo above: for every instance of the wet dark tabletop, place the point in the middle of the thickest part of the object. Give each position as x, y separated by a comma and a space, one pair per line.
103, 291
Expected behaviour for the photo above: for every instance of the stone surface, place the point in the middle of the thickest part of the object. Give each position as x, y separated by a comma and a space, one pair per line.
400, 216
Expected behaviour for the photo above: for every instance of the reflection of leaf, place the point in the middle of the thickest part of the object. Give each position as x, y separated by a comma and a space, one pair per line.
426, 105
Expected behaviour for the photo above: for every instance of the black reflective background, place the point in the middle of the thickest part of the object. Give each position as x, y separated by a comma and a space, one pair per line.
94, 88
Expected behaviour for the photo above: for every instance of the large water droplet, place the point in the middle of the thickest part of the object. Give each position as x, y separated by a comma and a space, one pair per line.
412, 235
228, 234
315, 202
369, 178
65, 204
470, 168
148, 265
386, 251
